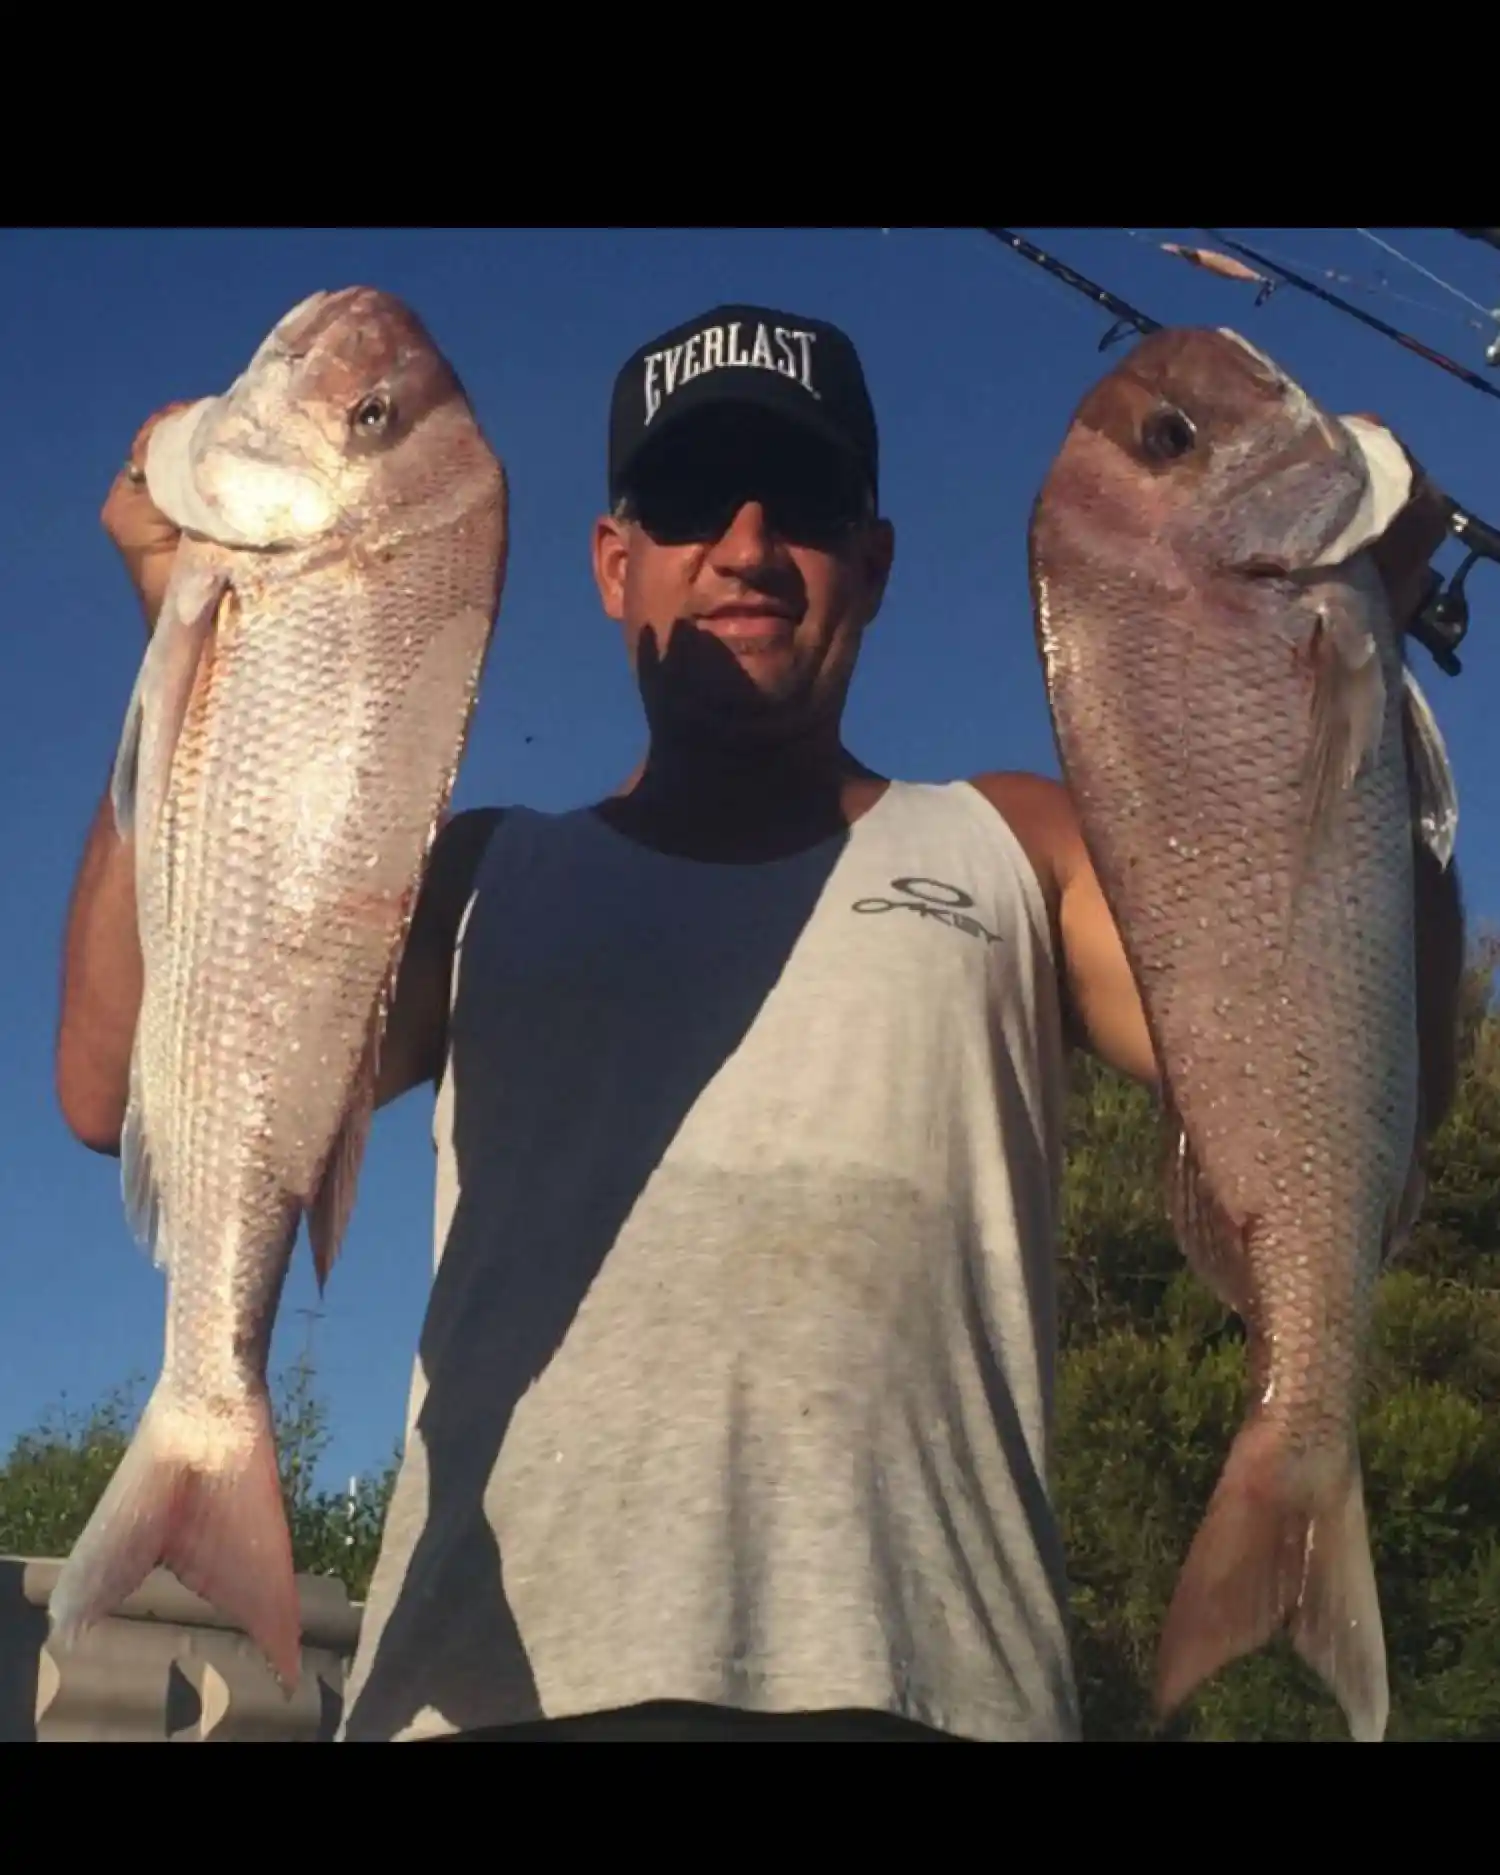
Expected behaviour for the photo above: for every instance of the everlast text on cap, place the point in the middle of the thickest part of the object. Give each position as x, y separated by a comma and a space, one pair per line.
804, 370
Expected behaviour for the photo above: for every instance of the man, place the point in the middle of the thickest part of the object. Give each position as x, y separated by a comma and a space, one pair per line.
731, 1413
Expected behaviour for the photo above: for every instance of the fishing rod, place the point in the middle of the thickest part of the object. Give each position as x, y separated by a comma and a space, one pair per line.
1442, 622
1440, 359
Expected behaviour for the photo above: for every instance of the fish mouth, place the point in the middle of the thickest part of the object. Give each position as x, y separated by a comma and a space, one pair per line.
1259, 567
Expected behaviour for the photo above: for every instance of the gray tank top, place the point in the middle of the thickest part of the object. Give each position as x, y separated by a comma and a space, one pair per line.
735, 1380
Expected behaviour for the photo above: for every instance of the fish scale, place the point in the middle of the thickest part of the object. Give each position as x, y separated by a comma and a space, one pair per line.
289, 751
1212, 628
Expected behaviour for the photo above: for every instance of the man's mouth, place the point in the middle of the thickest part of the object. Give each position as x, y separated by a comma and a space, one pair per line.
749, 621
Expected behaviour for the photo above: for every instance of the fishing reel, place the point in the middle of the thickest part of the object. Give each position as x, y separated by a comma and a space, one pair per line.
1442, 622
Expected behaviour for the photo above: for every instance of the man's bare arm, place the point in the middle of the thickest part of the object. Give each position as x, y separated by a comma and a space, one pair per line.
1102, 1005
101, 972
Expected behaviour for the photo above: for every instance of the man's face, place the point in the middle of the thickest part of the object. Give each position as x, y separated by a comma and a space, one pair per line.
744, 576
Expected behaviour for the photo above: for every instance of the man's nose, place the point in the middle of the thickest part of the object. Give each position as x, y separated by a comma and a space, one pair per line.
747, 540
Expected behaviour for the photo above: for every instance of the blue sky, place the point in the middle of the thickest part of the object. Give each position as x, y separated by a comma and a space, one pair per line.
975, 361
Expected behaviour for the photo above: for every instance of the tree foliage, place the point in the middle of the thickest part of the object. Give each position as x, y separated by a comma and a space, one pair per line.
1151, 1390
56, 1474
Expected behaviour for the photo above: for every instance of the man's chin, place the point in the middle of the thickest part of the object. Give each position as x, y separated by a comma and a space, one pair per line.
742, 713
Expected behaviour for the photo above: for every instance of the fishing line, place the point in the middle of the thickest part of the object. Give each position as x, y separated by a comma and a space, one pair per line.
1443, 621
1383, 288
1427, 273
1394, 333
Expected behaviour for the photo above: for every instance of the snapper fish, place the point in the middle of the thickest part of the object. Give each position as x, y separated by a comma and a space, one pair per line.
289, 751
1268, 803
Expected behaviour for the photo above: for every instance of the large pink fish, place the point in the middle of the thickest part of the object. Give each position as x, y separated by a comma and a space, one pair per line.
289, 751
1261, 785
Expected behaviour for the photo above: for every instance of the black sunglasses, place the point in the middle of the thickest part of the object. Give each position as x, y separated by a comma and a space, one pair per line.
693, 497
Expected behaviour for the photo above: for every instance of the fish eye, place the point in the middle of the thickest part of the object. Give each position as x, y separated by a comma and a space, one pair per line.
372, 415
1167, 434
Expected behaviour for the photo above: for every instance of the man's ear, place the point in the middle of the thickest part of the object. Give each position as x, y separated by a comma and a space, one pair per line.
611, 556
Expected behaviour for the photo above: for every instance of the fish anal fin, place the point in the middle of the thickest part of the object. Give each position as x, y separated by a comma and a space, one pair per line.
333, 1203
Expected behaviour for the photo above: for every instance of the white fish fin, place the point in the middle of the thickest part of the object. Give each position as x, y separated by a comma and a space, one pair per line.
138, 1176
159, 700
1209, 1239
205, 1502
1435, 792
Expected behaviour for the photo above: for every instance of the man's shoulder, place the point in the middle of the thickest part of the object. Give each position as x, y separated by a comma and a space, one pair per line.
462, 837
1042, 803
453, 864
1040, 812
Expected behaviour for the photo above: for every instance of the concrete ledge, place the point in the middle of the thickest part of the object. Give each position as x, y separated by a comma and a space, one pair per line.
167, 1667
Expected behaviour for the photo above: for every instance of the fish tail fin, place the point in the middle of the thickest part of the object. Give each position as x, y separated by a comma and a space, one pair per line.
1277, 1551
214, 1517
1337, 1626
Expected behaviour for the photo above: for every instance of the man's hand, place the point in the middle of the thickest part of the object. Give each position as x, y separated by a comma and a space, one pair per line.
1404, 552
145, 538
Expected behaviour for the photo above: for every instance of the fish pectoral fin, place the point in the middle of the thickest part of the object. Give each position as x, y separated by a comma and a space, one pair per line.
159, 699
1345, 717
1208, 1237
1434, 790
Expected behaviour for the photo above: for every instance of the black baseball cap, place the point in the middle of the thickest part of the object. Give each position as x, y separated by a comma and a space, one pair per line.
783, 364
